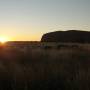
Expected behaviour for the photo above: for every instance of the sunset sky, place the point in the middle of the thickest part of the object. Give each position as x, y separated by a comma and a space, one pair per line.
30, 19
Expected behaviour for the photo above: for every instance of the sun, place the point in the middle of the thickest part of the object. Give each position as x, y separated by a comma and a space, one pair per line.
4, 39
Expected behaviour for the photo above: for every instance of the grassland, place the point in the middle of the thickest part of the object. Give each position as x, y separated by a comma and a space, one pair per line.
66, 68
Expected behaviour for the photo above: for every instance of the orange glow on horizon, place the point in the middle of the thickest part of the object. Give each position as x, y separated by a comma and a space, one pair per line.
4, 39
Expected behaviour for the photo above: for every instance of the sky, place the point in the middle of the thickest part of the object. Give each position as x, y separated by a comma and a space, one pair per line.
28, 20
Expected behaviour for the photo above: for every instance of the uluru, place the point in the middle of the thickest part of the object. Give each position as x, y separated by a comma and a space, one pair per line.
69, 36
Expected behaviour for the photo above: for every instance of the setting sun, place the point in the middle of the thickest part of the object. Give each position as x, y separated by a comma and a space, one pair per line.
4, 39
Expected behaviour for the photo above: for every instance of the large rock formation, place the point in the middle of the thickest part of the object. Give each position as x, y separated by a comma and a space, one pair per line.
74, 36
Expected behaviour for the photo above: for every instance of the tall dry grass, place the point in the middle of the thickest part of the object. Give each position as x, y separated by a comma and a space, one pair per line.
40, 69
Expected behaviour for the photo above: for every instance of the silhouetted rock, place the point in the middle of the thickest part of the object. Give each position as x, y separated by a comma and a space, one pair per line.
74, 36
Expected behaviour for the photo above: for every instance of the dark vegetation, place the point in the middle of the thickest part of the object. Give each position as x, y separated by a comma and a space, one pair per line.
70, 36
66, 68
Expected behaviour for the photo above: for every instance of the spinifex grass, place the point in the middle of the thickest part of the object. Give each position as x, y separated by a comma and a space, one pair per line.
39, 69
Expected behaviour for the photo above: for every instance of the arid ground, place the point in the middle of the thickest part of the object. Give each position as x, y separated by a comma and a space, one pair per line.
65, 67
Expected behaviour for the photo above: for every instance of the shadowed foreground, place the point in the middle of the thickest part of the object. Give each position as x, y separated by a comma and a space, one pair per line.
40, 69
